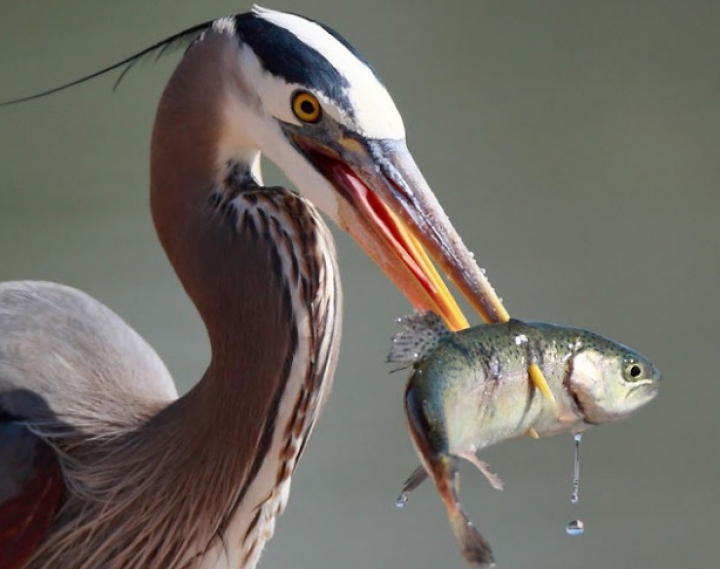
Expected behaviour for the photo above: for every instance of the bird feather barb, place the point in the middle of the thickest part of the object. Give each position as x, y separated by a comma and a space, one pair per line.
185, 38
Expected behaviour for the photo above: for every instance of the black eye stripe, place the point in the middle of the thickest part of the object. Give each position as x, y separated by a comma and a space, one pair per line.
284, 55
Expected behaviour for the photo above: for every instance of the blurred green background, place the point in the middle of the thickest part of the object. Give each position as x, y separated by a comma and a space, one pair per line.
575, 147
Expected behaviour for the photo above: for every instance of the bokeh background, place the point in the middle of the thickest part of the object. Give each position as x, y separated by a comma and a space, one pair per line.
575, 147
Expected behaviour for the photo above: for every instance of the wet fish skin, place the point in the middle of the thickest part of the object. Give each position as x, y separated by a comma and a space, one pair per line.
443, 469
471, 389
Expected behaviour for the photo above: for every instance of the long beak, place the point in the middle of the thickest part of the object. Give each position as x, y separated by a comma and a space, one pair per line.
389, 209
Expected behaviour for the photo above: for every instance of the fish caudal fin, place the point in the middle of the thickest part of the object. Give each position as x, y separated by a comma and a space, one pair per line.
422, 332
473, 546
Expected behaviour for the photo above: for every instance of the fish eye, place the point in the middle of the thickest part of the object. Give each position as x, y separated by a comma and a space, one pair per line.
633, 371
306, 107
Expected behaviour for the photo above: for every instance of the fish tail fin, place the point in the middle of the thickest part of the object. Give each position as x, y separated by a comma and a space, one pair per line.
473, 546
422, 332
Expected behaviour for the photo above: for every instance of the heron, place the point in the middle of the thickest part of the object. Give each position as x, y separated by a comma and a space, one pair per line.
102, 464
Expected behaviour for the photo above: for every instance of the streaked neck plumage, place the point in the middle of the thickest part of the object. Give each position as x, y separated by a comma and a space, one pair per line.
259, 264
212, 469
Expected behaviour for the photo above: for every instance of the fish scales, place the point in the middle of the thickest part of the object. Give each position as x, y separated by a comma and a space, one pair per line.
471, 389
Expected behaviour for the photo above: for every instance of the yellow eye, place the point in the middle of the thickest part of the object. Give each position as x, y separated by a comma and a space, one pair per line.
306, 106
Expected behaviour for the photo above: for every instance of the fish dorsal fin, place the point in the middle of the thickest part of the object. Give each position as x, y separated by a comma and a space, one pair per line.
422, 333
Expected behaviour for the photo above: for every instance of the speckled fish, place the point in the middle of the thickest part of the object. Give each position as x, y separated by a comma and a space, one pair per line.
472, 389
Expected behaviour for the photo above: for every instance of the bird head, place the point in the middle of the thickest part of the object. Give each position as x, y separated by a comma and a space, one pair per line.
312, 105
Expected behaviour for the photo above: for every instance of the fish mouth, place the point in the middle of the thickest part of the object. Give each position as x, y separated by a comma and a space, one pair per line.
646, 390
616, 407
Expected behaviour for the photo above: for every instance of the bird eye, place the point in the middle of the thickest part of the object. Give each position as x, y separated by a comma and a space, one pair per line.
633, 371
306, 106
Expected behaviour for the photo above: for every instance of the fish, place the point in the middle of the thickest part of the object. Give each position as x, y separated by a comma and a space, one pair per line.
472, 389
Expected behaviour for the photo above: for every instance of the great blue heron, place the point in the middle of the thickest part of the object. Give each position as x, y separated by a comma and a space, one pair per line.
101, 464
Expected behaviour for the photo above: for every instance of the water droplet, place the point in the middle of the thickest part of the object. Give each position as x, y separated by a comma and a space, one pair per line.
575, 527
575, 494
402, 500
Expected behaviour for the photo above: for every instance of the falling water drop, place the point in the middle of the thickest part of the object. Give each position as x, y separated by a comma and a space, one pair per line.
575, 527
402, 500
575, 494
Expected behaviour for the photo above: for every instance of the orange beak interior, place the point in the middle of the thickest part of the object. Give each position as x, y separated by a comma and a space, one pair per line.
391, 236
413, 255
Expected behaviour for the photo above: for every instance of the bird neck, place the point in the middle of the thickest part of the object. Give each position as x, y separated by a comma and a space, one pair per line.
189, 165
259, 265
228, 275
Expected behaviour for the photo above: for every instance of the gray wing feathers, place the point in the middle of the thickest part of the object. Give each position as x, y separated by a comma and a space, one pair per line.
65, 351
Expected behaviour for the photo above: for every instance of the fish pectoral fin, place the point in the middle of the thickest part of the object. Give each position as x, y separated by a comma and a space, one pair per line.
495, 480
418, 476
538, 379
